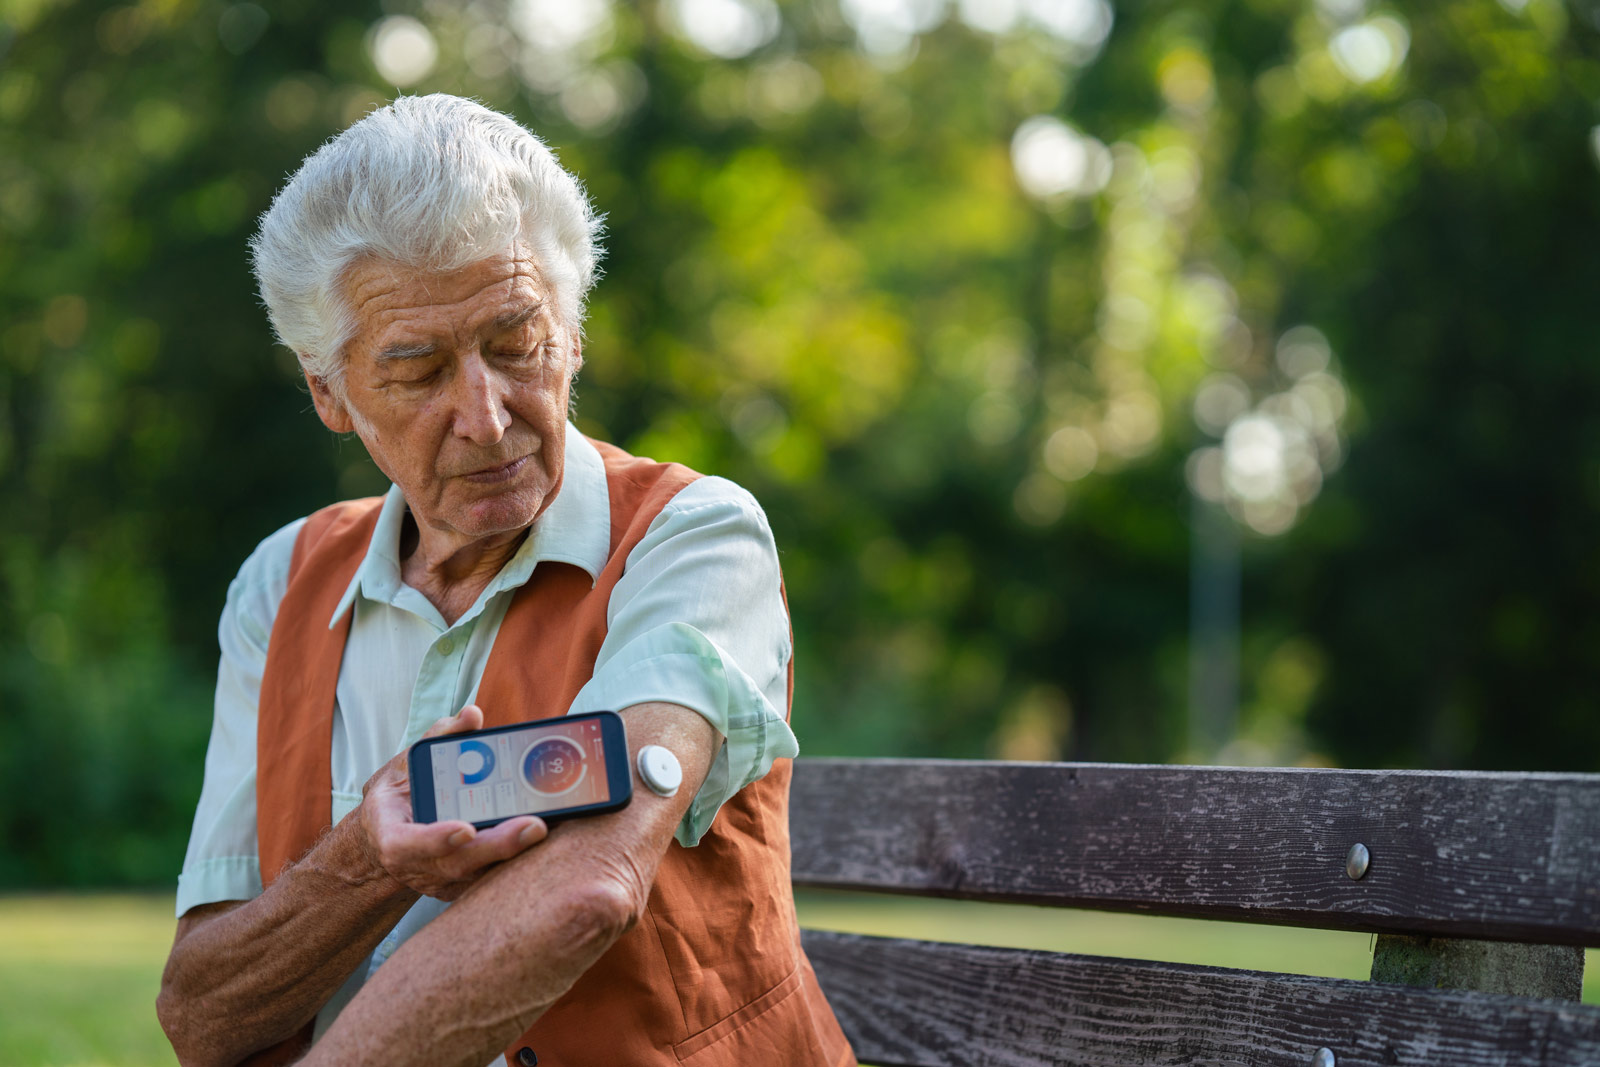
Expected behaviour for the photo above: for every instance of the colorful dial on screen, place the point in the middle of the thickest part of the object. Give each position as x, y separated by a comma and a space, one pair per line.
553, 766
475, 762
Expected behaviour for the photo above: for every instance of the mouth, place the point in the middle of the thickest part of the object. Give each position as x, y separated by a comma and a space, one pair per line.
502, 473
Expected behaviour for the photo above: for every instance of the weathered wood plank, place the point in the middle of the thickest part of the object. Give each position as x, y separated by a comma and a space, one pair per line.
1477, 855
924, 1004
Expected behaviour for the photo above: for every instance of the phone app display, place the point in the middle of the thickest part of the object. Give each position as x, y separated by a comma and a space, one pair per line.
554, 766
520, 772
476, 762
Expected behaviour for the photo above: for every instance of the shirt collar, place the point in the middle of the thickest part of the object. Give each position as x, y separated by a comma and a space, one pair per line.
575, 529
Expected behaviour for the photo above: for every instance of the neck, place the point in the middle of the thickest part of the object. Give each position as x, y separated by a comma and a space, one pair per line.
451, 570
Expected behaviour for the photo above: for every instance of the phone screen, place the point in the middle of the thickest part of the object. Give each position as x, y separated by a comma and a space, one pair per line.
520, 772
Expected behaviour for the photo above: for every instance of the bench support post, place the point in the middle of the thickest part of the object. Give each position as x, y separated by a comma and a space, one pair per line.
1551, 971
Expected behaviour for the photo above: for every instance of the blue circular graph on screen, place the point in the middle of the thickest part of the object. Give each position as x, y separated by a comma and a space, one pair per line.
476, 762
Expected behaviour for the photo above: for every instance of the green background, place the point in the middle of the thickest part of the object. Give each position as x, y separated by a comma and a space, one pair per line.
1002, 428
968, 410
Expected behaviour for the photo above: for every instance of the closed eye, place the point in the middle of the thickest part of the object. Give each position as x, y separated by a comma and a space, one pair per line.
416, 379
524, 355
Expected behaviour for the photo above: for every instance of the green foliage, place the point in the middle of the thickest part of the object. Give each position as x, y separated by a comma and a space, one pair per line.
976, 415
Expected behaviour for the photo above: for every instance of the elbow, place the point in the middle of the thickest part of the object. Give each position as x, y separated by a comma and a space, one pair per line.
171, 1013
591, 915
610, 900
583, 921
603, 909
175, 1012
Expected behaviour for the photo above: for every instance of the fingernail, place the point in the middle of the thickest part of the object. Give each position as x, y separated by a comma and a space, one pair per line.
528, 834
460, 837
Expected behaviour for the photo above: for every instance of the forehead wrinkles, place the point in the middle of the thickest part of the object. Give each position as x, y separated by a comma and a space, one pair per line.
384, 295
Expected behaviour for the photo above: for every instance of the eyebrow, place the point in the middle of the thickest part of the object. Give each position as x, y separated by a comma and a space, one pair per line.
512, 319
396, 352
401, 350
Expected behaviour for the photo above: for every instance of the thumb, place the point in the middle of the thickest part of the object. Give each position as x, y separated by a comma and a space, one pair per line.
468, 718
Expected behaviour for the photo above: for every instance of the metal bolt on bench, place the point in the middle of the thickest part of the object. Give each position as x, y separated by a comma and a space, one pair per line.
1356, 861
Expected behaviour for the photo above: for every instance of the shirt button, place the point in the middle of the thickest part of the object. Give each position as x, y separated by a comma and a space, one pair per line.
445, 646
527, 1057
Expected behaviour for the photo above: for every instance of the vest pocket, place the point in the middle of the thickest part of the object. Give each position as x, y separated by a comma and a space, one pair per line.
752, 1022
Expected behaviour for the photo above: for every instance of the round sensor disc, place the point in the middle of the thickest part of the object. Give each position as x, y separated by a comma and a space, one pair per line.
660, 770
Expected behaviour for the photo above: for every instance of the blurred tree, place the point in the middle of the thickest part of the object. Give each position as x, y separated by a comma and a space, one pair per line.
976, 297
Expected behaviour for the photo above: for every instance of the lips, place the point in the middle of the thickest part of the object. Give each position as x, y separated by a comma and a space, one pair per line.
503, 472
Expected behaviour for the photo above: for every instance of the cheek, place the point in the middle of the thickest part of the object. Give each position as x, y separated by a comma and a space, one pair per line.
545, 405
412, 439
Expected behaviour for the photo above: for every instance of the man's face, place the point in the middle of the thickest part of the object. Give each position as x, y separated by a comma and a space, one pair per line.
457, 383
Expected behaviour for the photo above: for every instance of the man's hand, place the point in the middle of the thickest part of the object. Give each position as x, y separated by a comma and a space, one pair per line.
245, 975
469, 982
438, 859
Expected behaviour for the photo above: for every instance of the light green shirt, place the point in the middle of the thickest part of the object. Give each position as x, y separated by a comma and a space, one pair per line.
697, 620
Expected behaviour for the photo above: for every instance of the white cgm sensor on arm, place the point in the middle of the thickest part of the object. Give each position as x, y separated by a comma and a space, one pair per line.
660, 770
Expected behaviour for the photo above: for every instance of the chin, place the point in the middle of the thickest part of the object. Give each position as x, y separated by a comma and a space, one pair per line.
500, 513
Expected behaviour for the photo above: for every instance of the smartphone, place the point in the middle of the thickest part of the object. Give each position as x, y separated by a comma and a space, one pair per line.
553, 768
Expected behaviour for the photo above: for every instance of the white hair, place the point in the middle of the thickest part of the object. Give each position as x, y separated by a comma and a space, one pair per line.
433, 183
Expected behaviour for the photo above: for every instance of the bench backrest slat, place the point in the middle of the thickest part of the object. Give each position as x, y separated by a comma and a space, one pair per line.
922, 1004
1476, 855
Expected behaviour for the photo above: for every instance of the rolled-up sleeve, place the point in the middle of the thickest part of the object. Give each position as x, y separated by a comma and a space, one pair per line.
698, 620
221, 862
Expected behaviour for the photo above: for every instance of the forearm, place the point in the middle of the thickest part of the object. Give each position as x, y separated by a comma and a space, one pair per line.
242, 980
474, 979
478, 976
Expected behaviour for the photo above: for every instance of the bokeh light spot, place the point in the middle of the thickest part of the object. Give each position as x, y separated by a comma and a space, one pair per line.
728, 29
1039, 499
1053, 161
403, 50
559, 25
889, 27
1220, 399
1371, 50
1084, 24
991, 16
1070, 453
1203, 472
1185, 79
1303, 350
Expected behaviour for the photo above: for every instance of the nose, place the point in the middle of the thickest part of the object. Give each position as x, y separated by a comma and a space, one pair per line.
480, 411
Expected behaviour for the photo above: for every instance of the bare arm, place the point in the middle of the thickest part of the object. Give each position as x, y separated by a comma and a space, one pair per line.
244, 976
480, 974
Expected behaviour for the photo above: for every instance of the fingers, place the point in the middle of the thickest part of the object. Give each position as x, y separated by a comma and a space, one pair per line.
426, 852
468, 718
496, 844
412, 845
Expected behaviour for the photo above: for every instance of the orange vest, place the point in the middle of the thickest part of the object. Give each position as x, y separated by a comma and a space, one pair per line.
713, 975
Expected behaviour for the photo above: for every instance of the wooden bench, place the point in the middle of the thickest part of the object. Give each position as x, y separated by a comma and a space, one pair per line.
1482, 888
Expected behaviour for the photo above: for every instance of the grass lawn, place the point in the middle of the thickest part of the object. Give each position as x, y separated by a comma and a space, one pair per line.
78, 980
78, 974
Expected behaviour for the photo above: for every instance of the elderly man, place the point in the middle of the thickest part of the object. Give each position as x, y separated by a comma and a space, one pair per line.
429, 268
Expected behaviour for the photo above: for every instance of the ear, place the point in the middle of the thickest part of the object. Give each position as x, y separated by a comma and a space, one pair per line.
330, 408
577, 357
